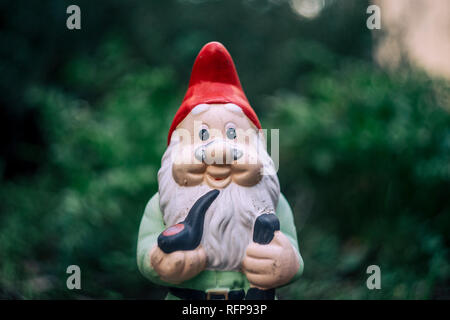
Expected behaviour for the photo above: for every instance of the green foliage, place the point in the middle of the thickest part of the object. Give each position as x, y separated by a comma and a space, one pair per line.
85, 204
371, 153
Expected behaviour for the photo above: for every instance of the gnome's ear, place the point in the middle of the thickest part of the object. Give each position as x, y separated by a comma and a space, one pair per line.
261, 138
262, 135
175, 137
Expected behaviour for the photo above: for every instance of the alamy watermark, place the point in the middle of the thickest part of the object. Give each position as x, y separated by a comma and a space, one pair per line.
374, 20
231, 145
74, 280
74, 20
374, 280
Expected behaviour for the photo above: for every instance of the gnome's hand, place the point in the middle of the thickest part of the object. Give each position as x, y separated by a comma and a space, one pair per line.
177, 266
270, 265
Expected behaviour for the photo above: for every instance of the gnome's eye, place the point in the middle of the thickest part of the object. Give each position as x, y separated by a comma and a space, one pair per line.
231, 132
203, 134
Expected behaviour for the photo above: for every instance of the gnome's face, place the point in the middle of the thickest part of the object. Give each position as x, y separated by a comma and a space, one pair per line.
217, 145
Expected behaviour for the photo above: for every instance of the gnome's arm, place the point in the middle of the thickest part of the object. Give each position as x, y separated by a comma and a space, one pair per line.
152, 224
287, 227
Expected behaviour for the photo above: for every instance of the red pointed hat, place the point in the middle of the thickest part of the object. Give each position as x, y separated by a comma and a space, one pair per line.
213, 80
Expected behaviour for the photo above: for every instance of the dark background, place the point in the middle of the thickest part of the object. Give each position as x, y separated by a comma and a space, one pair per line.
84, 116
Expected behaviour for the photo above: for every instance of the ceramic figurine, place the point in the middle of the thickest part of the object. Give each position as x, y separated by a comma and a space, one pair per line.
218, 228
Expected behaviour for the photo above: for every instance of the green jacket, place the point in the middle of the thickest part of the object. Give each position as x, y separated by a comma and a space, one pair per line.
152, 225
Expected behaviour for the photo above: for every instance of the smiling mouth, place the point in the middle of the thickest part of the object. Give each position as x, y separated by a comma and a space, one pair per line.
218, 182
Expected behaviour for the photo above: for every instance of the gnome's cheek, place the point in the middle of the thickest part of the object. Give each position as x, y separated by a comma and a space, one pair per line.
188, 175
247, 175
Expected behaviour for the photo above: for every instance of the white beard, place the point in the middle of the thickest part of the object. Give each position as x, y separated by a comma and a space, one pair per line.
228, 226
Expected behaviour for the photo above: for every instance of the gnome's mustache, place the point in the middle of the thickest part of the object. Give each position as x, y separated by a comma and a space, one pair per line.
218, 152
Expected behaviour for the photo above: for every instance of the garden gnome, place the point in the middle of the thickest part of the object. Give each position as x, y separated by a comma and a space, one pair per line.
200, 235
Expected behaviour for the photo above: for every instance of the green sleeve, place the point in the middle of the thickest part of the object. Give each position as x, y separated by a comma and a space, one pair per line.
152, 224
287, 227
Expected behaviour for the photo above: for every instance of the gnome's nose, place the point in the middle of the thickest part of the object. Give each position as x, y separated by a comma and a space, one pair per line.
218, 152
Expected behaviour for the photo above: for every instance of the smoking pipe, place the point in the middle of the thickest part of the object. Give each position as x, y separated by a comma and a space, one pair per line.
186, 235
263, 232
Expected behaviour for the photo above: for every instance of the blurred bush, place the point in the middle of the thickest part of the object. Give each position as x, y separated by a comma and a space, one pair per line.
84, 204
364, 153
372, 158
